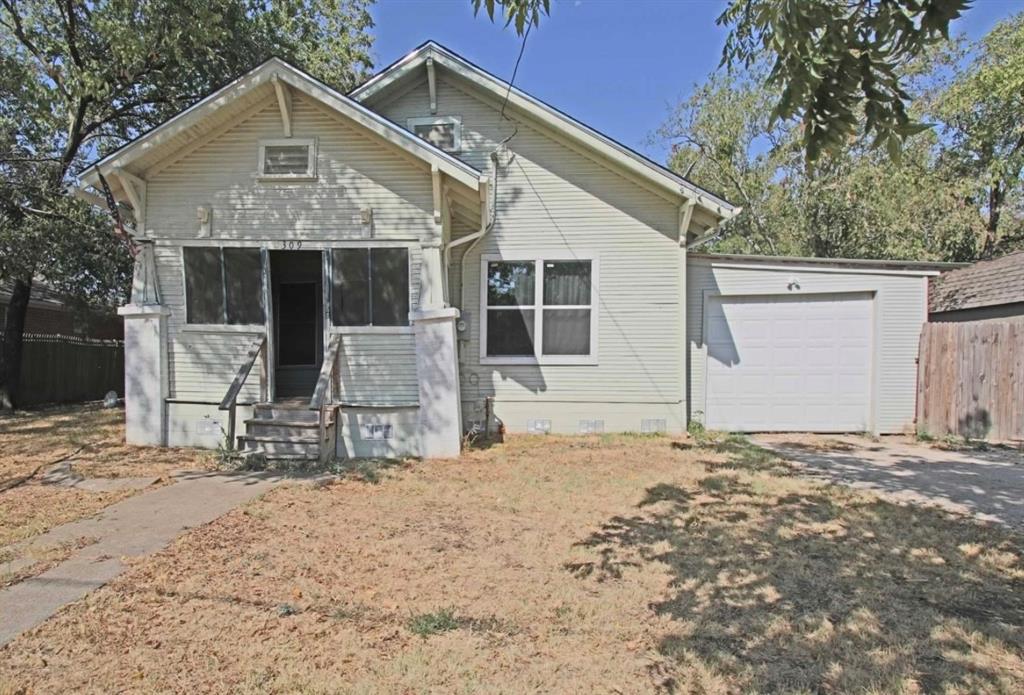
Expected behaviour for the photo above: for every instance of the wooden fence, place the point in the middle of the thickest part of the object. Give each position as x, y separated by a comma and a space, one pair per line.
68, 369
970, 380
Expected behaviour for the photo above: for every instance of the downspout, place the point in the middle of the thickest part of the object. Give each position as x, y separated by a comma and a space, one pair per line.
473, 239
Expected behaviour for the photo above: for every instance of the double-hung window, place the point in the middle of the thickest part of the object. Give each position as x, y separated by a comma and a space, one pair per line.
370, 286
539, 311
223, 286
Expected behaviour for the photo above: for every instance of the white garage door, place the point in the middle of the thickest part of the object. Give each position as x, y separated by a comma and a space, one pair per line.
789, 364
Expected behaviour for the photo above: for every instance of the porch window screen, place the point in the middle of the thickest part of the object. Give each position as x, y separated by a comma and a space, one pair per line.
370, 287
223, 286
549, 302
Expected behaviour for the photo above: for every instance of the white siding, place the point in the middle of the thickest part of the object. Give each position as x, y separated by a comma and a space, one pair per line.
354, 171
552, 201
900, 303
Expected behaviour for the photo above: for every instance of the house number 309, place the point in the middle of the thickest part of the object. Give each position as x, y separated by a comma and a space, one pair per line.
291, 245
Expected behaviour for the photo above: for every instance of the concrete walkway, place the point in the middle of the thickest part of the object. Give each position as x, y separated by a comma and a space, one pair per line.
139, 525
987, 484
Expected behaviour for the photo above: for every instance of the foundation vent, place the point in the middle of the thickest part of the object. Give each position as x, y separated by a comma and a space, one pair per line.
538, 426
652, 426
376, 431
591, 427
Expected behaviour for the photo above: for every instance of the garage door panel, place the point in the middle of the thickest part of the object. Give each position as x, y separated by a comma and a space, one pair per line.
782, 363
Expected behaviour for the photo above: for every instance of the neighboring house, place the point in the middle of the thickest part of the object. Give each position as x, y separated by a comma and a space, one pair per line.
992, 289
49, 314
420, 253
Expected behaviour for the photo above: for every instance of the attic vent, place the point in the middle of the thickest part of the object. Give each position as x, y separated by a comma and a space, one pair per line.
444, 132
290, 158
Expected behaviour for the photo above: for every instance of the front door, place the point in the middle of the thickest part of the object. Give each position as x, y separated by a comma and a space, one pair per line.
296, 281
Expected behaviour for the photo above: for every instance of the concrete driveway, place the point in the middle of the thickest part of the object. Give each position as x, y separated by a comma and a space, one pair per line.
987, 484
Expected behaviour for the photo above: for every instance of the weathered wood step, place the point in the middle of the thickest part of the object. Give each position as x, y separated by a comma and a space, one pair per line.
273, 446
284, 429
286, 411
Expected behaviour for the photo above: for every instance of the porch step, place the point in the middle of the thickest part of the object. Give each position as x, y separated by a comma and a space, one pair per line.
297, 411
288, 431
274, 447
282, 428
269, 456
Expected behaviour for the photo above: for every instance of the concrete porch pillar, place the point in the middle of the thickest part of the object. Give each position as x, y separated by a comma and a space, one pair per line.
145, 373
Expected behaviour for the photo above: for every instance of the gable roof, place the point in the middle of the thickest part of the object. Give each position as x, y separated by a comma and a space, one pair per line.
986, 283
191, 123
598, 142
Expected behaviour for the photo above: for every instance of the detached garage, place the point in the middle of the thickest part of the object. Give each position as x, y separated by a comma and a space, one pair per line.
799, 344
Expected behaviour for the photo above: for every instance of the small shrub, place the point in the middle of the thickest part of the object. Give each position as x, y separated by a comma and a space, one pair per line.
286, 609
427, 624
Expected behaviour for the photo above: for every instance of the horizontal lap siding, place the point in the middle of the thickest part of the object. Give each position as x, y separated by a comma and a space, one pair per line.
379, 369
354, 172
552, 201
900, 306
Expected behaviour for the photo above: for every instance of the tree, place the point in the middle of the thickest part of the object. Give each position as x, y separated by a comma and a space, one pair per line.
982, 117
80, 78
855, 203
837, 63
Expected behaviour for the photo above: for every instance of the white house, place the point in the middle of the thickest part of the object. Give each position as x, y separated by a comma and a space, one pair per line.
373, 273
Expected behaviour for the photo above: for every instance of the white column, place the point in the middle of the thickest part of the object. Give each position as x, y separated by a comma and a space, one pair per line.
145, 373
437, 370
432, 276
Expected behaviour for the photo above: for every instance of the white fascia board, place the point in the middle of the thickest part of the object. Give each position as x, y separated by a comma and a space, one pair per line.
849, 266
614, 151
297, 79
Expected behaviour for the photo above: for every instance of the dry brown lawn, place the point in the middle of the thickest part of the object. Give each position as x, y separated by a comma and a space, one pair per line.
555, 564
91, 439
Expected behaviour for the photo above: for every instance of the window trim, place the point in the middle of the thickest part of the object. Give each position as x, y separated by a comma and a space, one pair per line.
371, 329
538, 308
310, 173
454, 121
216, 327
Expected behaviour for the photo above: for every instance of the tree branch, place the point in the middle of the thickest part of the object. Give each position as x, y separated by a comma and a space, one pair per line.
18, 29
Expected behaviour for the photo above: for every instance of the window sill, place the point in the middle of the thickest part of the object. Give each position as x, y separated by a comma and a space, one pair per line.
298, 178
545, 361
254, 328
370, 330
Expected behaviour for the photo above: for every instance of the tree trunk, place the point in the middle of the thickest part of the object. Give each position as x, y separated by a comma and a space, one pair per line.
995, 205
10, 350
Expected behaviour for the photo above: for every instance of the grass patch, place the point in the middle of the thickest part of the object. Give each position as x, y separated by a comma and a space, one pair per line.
426, 624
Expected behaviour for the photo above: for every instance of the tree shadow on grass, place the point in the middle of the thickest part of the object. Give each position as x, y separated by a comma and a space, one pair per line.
781, 586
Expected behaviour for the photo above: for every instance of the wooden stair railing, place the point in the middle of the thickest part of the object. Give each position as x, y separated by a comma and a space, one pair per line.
326, 389
230, 401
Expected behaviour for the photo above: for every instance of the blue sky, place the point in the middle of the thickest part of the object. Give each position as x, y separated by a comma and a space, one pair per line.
617, 65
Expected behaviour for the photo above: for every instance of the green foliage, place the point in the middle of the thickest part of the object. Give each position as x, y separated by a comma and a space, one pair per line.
426, 624
855, 203
836, 65
982, 115
521, 13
